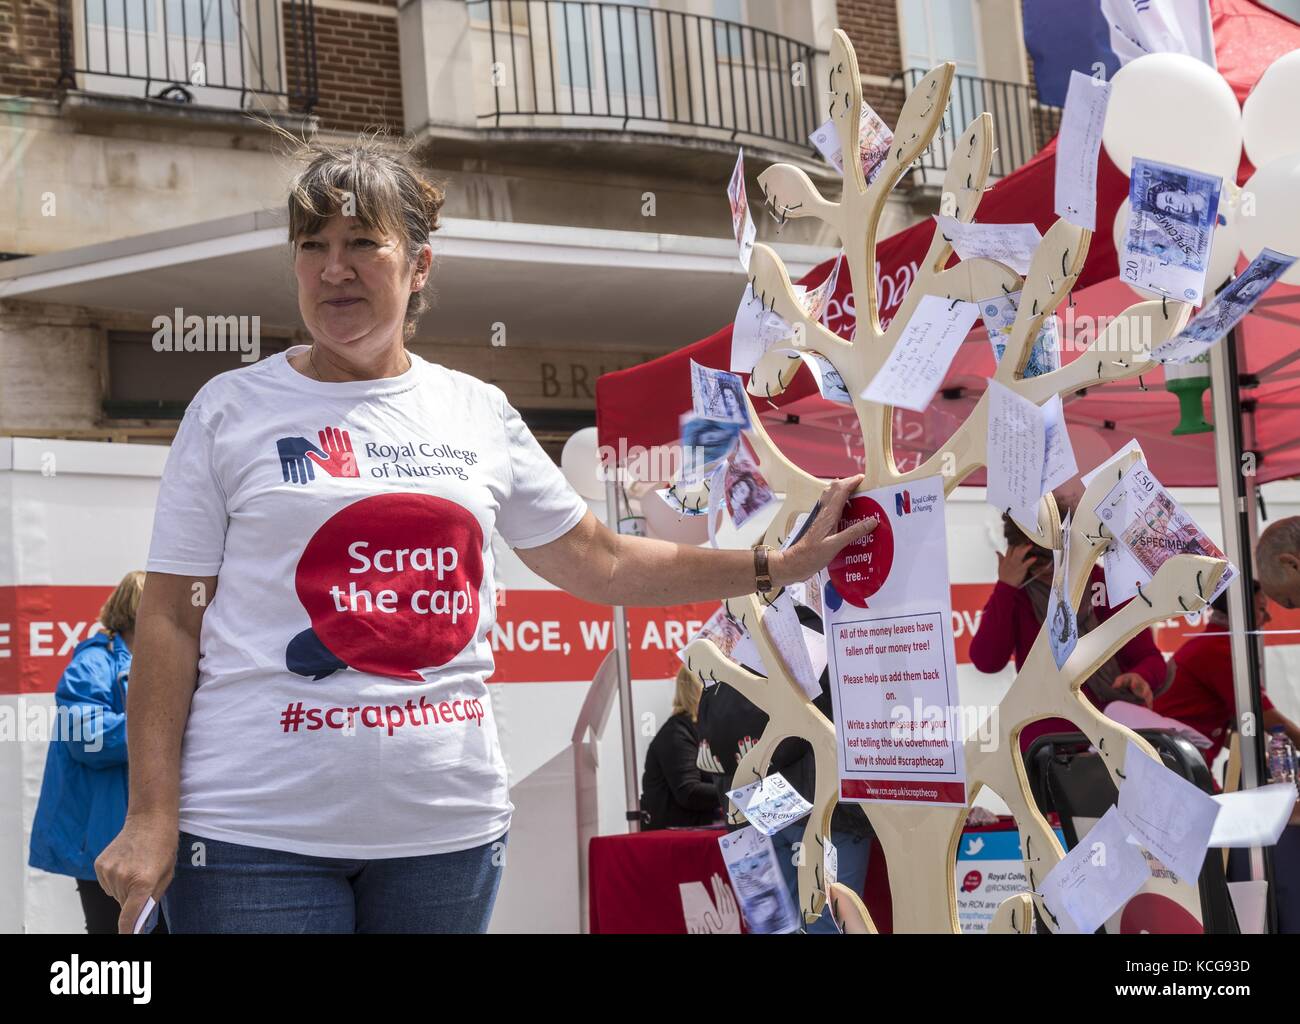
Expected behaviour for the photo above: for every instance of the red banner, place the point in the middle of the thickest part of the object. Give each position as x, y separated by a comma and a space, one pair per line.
540, 636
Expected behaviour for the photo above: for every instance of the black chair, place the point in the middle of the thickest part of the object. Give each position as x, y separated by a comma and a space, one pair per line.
1066, 778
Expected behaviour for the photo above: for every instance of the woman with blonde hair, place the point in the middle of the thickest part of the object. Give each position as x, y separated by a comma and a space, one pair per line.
83, 792
674, 792
312, 709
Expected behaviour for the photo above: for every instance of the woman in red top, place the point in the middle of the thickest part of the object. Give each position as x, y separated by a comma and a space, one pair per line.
1201, 695
1013, 617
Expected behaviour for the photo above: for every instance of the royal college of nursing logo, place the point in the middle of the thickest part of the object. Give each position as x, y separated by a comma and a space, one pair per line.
299, 457
903, 503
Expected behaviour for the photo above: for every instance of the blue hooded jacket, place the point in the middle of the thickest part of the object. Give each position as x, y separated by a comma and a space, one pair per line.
83, 794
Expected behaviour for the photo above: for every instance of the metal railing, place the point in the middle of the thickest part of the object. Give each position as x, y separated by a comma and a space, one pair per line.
217, 52
624, 63
1021, 125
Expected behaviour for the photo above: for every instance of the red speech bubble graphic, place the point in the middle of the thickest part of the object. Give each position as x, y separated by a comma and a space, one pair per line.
391, 583
972, 881
861, 568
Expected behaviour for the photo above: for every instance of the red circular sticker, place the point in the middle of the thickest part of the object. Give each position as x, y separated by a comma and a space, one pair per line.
391, 585
1149, 912
972, 881
861, 568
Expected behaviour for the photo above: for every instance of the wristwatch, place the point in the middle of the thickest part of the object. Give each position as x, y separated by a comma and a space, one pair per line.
762, 576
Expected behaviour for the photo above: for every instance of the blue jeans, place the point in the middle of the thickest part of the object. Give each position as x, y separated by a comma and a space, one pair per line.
853, 853
238, 888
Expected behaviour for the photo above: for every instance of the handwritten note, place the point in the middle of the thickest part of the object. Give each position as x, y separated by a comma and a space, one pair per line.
1168, 815
1096, 878
916, 367
1059, 464
782, 624
1016, 447
1077, 147
1012, 245
756, 329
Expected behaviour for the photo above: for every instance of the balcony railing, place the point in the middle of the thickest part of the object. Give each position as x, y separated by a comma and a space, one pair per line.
574, 63
213, 52
1021, 125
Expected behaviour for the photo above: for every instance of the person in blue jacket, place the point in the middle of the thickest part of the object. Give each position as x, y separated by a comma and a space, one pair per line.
83, 794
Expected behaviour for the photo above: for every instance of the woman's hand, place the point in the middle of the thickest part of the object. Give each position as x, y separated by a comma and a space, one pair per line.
819, 545
138, 864
1016, 565
1136, 685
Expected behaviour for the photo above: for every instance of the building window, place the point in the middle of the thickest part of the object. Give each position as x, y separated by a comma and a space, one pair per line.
146, 384
605, 41
938, 30
214, 50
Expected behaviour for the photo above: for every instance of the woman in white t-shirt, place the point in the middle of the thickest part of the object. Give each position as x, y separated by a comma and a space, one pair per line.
309, 715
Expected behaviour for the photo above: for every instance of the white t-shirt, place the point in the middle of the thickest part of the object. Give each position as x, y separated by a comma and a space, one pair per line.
349, 526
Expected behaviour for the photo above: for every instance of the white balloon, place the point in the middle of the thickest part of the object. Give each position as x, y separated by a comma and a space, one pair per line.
1274, 221
1172, 108
579, 464
1269, 125
666, 523
1225, 247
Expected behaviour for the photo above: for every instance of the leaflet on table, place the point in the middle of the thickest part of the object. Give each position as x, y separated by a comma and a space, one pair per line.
770, 804
1168, 815
916, 367
1017, 445
1062, 621
765, 900
1012, 245
889, 638
756, 329
718, 395
1102, 873
742, 224
874, 138
1253, 817
999, 315
1226, 310
1172, 213
1149, 528
1077, 146
829, 382
1139, 716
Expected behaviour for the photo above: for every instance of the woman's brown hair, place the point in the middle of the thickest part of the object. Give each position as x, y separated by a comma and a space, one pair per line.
373, 179
119, 611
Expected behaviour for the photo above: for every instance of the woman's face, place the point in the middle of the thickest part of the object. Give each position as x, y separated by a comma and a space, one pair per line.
354, 284
740, 492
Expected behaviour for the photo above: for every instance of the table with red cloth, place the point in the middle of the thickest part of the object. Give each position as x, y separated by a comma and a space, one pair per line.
633, 880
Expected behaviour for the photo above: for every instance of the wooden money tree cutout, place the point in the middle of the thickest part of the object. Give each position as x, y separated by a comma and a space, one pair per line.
920, 842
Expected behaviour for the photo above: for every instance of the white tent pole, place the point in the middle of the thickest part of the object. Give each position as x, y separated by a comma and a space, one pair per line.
623, 664
1235, 508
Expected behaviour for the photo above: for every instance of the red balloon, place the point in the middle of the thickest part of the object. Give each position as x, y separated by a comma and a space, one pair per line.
391, 583
860, 569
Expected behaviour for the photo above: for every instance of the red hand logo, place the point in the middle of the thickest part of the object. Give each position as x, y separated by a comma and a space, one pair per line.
339, 460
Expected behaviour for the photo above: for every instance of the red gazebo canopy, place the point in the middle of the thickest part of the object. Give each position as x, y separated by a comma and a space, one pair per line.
641, 405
